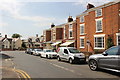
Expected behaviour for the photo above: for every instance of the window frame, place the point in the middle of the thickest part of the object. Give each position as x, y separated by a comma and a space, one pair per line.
70, 30
82, 19
82, 25
80, 42
100, 19
64, 32
96, 12
103, 43
69, 33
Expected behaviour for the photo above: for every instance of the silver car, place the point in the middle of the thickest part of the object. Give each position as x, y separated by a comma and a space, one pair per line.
110, 60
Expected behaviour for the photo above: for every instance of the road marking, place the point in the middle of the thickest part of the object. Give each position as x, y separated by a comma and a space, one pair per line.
62, 67
23, 73
50, 62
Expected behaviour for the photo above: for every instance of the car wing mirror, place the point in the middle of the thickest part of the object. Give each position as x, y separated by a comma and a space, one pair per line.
105, 54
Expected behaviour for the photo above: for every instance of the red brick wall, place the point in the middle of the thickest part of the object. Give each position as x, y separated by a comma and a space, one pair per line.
59, 33
48, 36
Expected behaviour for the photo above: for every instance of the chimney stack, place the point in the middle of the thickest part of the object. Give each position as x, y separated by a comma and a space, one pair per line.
70, 19
52, 25
89, 6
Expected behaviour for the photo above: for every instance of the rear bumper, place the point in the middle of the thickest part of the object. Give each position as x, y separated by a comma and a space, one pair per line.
53, 56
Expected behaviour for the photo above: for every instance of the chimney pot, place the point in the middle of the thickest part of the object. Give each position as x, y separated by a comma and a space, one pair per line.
70, 19
52, 25
90, 6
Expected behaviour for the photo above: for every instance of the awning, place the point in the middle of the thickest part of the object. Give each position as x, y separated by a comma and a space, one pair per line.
67, 43
56, 43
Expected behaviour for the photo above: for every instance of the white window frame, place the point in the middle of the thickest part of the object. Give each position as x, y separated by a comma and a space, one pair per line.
82, 19
64, 32
54, 37
70, 29
96, 36
82, 25
44, 36
96, 12
100, 19
70, 26
69, 33
80, 42
117, 34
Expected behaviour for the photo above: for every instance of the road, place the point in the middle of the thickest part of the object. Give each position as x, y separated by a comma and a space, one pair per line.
38, 67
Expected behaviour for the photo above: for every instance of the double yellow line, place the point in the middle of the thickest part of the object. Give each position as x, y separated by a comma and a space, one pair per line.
23, 74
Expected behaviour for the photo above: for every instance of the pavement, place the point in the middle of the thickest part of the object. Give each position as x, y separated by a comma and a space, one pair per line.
6, 64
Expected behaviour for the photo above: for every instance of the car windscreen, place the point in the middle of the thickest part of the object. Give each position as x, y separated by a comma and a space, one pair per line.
73, 50
39, 50
49, 50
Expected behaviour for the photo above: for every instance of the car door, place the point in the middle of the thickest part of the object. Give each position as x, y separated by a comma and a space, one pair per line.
65, 54
110, 60
44, 53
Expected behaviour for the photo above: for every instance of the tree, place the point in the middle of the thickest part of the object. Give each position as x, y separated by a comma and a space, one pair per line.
16, 35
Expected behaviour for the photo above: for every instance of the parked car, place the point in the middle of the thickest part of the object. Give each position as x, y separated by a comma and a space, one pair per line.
29, 51
37, 52
48, 53
110, 60
70, 54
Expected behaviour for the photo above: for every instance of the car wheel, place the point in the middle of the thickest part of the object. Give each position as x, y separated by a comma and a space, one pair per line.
47, 57
58, 58
40, 56
70, 61
93, 65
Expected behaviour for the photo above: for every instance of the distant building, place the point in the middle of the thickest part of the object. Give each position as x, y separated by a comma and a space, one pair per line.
16, 43
33, 42
10, 43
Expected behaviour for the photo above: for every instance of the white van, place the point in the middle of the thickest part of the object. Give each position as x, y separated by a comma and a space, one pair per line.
70, 54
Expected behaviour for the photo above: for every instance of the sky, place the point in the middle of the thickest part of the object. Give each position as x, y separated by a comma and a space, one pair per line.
31, 17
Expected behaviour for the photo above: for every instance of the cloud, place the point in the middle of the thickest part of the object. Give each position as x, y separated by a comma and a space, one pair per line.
14, 7
94, 2
33, 18
41, 24
2, 24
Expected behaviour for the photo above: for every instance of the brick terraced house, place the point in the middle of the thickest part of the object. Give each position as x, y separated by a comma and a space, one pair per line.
56, 36
98, 27
70, 33
47, 39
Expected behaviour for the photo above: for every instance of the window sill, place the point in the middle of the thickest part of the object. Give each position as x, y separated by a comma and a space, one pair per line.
82, 34
98, 48
99, 31
71, 37
82, 47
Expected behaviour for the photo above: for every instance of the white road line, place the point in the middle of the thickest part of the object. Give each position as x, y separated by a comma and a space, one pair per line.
65, 68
